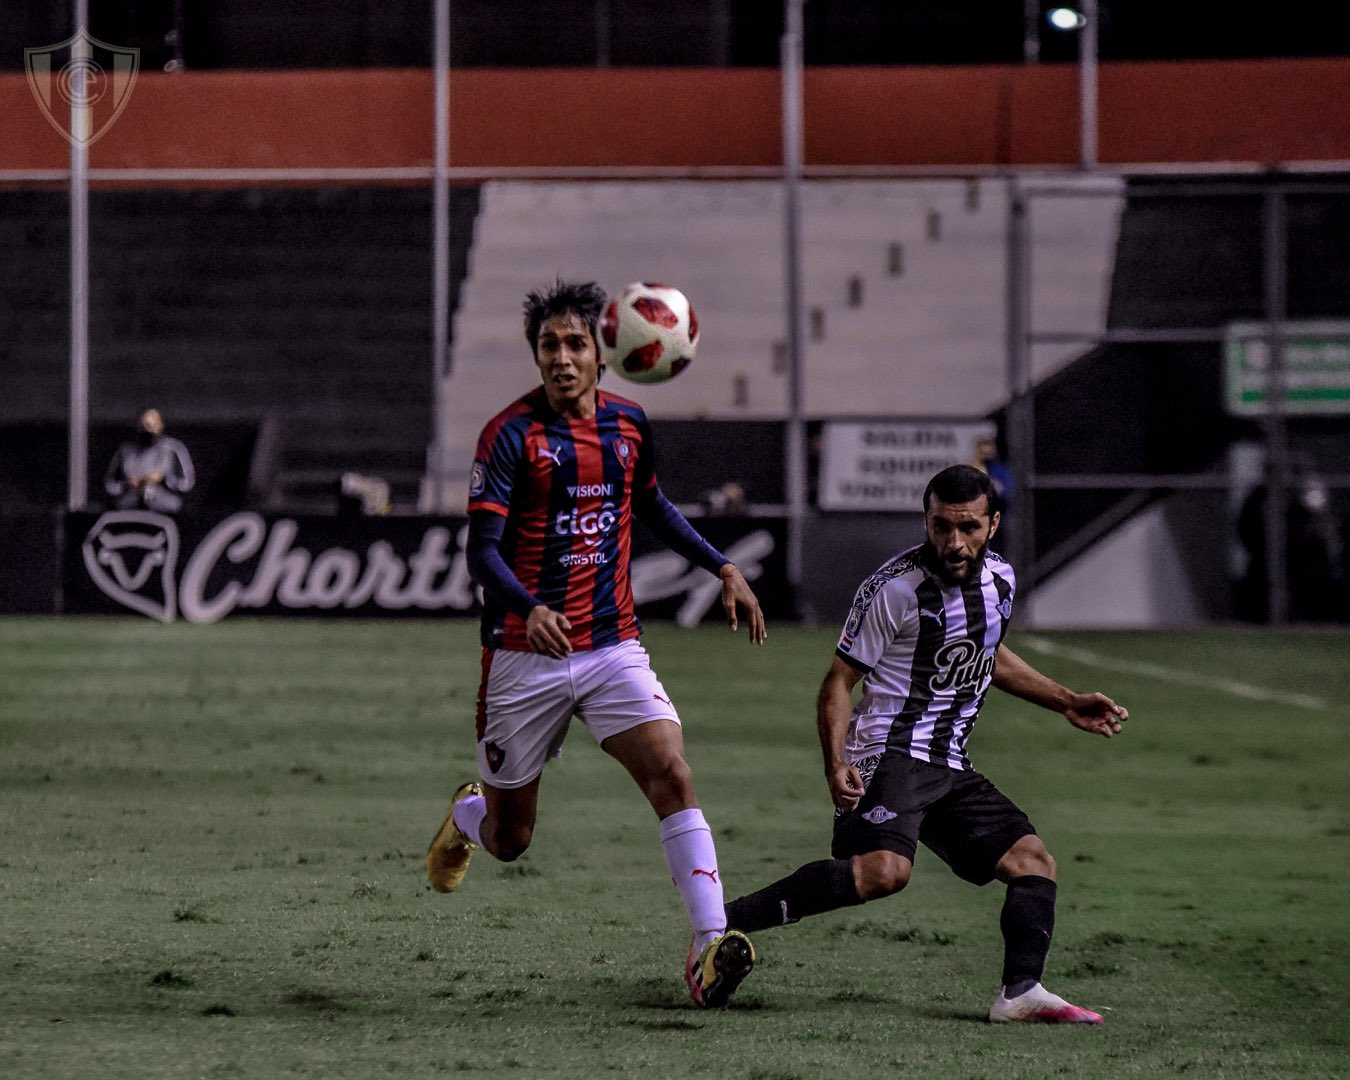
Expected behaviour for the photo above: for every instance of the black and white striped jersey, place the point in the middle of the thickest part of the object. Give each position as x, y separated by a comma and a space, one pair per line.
926, 651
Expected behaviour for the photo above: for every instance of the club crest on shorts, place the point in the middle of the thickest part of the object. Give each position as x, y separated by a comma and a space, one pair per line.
879, 815
495, 755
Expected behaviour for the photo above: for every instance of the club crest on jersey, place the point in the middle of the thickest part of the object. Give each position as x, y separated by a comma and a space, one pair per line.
962, 665
1004, 608
624, 449
853, 625
477, 480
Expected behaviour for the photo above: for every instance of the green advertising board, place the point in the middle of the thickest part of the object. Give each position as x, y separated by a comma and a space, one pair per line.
1316, 368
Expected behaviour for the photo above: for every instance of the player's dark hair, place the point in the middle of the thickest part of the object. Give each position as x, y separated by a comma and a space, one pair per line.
961, 484
583, 299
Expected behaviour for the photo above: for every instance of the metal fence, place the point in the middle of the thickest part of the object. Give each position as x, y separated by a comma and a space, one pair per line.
1248, 297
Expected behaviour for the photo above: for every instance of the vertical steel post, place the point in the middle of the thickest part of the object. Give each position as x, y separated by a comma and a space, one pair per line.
1274, 257
1020, 431
438, 464
795, 476
603, 57
81, 121
1087, 86
1031, 31
719, 37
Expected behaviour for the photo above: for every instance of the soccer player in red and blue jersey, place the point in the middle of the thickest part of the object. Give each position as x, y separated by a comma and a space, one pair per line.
557, 479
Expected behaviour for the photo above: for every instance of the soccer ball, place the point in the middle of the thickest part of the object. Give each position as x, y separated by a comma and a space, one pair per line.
648, 332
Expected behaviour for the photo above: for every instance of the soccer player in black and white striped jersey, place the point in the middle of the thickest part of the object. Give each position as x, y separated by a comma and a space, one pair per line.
925, 637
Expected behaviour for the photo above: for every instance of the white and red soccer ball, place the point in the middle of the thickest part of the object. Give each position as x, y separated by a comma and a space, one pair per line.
648, 332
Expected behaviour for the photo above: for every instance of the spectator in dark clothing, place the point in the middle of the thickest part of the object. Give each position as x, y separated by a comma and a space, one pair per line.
153, 471
1314, 564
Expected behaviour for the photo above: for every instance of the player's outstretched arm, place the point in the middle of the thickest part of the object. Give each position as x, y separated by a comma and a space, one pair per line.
671, 527
736, 591
1094, 713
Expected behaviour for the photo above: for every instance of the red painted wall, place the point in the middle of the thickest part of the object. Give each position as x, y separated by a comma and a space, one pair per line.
1262, 111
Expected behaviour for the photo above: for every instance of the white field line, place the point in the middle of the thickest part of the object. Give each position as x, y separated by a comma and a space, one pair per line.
1173, 675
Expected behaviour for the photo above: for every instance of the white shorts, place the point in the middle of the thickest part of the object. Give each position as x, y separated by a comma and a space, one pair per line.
527, 700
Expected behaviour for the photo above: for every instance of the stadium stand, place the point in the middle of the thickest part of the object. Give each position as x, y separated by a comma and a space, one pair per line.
902, 277
304, 311
307, 311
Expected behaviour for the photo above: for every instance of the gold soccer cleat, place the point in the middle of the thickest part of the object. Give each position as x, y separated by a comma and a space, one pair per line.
714, 973
449, 854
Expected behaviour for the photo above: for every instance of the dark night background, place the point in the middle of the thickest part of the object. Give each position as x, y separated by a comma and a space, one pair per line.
206, 34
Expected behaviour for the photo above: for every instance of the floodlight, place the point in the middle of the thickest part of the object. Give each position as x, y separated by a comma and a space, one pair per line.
1066, 18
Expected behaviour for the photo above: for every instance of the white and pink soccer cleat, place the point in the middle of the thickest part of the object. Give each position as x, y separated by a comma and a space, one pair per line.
1039, 1006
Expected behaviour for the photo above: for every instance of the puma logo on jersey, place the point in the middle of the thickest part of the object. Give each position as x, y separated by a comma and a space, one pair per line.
554, 456
706, 873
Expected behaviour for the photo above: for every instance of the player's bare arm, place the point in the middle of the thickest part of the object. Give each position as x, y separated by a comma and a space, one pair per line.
546, 631
1093, 713
833, 707
736, 591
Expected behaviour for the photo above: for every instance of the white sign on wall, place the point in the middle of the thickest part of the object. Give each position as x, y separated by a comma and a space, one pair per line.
885, 466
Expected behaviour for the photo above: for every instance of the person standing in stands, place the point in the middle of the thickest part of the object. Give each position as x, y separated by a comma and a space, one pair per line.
153, 471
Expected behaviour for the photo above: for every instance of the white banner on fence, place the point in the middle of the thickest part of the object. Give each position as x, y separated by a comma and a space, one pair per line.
885, 466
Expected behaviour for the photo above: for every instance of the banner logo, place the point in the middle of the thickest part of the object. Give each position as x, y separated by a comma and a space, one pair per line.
246, 562
132, 556
82, 85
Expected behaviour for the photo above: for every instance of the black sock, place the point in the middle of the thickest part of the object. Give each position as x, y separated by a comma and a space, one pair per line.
809, 890
1028, 922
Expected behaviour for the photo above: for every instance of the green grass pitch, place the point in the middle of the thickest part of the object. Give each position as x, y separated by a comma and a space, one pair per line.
211, 866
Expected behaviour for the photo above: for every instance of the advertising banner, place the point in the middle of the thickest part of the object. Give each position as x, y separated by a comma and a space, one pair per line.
203, 569
1316, 376
885, 466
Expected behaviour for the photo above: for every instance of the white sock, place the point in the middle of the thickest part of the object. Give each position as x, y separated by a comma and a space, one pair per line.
469, 814
692, 859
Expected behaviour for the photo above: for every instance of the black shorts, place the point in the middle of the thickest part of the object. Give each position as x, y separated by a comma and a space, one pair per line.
959, 815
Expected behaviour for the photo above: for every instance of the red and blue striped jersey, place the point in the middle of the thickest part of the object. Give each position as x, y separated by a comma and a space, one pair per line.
565, 488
